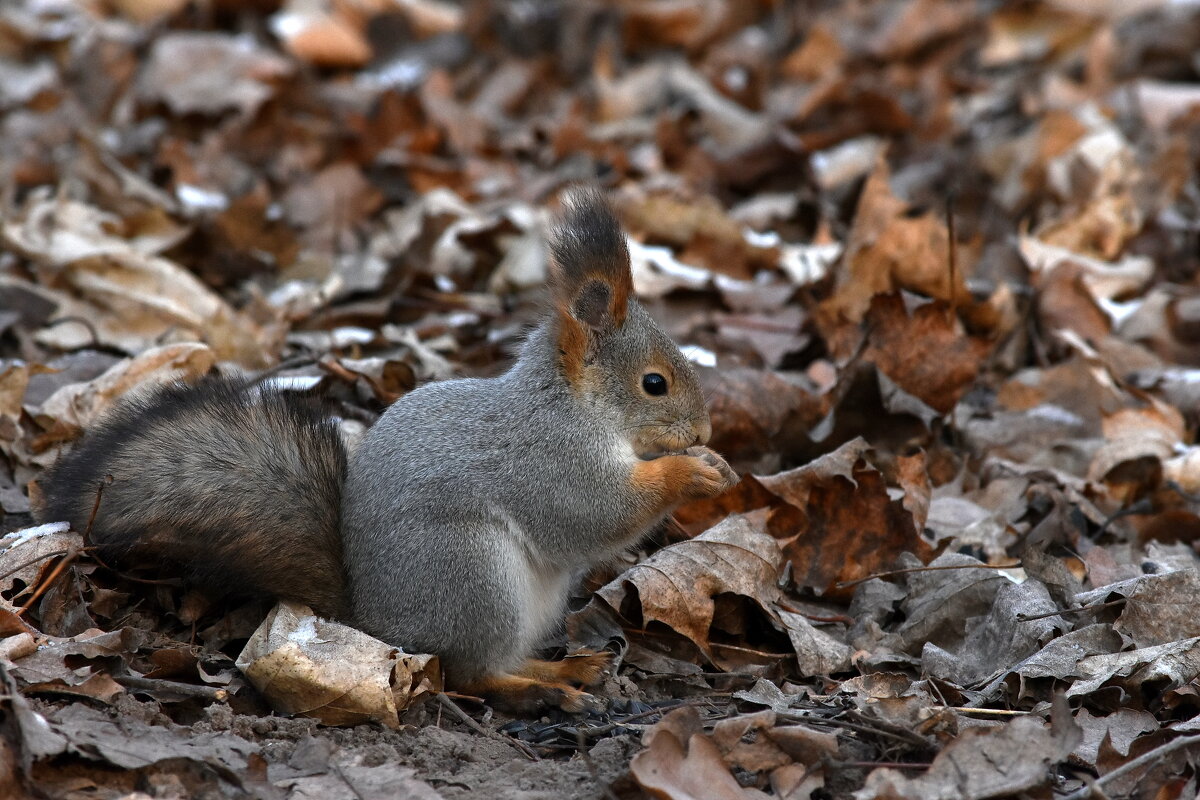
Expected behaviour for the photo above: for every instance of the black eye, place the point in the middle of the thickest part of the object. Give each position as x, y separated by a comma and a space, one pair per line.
654, 383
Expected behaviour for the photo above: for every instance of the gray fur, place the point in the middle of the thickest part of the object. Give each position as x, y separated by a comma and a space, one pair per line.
464, 489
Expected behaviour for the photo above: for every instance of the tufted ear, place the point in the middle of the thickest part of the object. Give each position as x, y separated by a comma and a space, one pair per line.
589, 262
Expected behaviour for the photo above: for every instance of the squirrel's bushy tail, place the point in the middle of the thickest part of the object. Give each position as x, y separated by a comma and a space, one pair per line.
238, 487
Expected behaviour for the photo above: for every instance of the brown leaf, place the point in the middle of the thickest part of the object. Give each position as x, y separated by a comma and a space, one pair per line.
980, 763
329, 36
900, 344
888, 250
208, 73
849, 527
678, 585
759, 416
680, 763
1161, 609
1138, 442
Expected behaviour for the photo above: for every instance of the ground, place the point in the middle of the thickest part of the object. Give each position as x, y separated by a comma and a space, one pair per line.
935, 263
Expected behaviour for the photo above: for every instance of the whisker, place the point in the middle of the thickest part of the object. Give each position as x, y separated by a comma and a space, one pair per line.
648, 425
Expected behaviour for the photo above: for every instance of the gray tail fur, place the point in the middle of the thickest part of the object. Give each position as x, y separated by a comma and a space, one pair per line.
237, 487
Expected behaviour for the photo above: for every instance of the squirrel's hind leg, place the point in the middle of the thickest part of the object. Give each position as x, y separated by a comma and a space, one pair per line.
537, 684
585, 668
522, 694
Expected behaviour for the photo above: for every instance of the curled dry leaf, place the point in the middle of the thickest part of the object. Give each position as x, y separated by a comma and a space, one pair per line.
680, 762
1161, 609
848, 527
677, 586
210, 73
128, 297
306, 665
981, 763
24, 554
78, 405
1137, 443
1168, 665
889, 250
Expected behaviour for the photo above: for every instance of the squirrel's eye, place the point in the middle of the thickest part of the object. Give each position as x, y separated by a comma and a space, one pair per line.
654, 383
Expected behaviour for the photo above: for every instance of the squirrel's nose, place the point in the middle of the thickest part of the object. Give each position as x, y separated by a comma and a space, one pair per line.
703, 432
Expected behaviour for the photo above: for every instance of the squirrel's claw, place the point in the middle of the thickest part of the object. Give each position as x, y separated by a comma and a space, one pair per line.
716, 476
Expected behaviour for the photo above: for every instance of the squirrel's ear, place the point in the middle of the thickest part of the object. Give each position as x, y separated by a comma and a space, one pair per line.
589, 262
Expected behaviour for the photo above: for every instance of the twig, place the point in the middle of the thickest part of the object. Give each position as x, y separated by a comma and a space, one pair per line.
875, 764
952, 248
1130, 766
750, 650
843, 618
87, 531
907, 570
159, 685
466, 719
600, 730
44, 586
346, 780
1065, 611
591, 766
34, 560
874, 729
993, 712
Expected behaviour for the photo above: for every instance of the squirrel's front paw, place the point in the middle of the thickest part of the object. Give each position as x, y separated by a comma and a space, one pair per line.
713, 474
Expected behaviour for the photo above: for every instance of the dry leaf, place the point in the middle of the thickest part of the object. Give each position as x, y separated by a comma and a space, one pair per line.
307, 665
680, 763
678, 585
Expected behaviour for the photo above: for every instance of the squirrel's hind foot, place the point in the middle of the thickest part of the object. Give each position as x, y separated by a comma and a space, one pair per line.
524, 695
585, 667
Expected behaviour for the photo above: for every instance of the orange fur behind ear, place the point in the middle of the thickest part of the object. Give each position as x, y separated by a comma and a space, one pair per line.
572, 345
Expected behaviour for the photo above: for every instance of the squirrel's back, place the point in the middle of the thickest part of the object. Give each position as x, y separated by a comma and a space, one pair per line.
237, 485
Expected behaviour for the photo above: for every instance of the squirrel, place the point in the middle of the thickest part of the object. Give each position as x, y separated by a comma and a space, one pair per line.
456, 525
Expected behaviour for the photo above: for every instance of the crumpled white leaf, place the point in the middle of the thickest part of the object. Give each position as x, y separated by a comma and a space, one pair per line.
306, 665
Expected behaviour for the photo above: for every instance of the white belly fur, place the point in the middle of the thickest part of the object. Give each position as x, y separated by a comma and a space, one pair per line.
545, 601
540, 590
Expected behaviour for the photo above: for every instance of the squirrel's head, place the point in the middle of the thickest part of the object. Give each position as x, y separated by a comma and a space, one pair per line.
611, 351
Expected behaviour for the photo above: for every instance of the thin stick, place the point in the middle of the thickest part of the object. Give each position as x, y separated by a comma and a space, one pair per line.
1130, 766
1065, 611
349, 785
600, 730
87, 532
993, 712
952, 247
466, 719
889, 573
45, 585
874, 764
30, 562
159, 685
591, 766
843, 618
907, 737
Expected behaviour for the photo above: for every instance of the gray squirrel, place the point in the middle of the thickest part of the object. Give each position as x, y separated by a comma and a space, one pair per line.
455, 526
